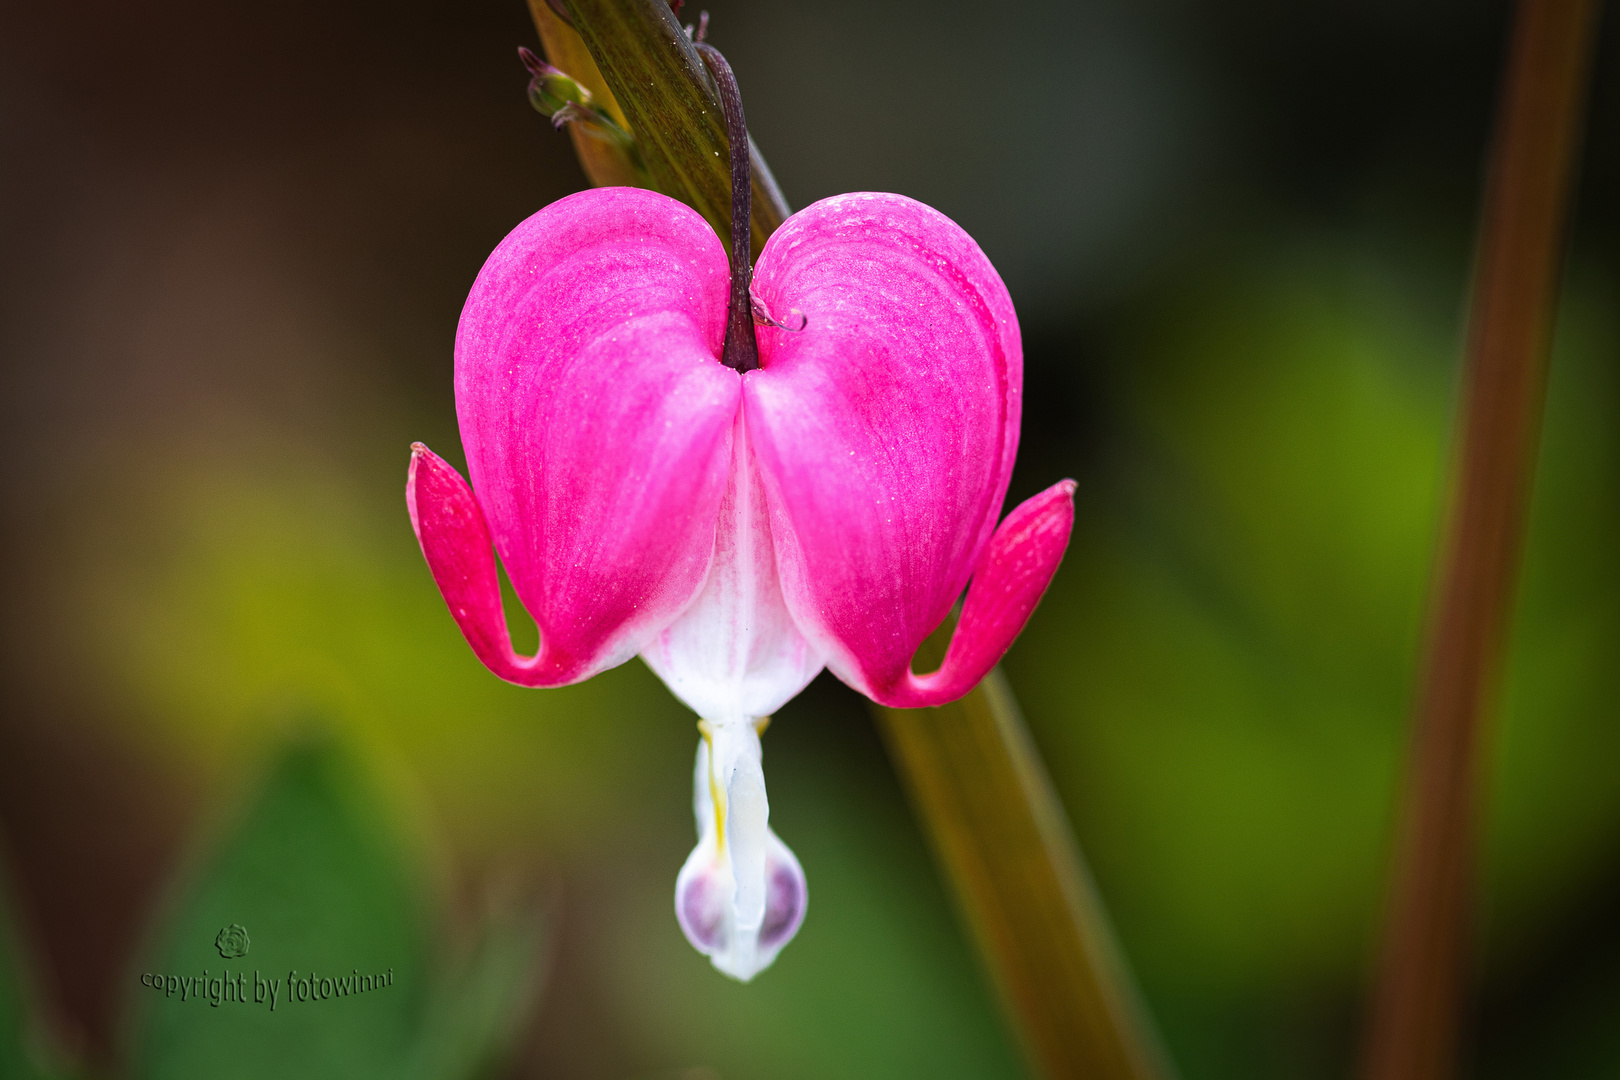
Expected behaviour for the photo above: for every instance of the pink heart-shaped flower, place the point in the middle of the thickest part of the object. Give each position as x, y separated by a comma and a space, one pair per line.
739, 530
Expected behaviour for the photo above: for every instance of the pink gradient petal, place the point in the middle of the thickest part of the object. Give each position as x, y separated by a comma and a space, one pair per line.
596, 418
450, 527
885, 429
1017, 566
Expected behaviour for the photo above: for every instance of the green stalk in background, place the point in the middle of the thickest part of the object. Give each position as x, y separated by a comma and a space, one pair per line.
973, 773
1000, 833
1417, 1006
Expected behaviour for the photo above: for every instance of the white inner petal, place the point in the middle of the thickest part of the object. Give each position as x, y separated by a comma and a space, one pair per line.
735, 654
746, 828
741, 895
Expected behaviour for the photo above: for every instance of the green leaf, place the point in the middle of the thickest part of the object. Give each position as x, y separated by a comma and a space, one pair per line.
481, 1004
310, 886
660, 82
314, 876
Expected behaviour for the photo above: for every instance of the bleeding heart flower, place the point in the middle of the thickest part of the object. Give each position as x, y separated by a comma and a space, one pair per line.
739, 529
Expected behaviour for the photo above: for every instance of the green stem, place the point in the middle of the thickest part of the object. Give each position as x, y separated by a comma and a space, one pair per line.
669, 100
1415, 1017
1021, 884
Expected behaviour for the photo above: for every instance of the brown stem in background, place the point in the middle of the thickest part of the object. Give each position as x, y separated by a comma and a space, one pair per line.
1413, 1030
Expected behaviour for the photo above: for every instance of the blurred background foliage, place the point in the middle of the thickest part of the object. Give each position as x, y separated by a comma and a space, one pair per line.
234, 242
313, 869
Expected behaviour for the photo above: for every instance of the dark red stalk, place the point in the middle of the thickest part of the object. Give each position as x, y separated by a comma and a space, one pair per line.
742, 348
1415, 1022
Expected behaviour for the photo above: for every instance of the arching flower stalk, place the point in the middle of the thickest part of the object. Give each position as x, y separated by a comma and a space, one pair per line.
743, 477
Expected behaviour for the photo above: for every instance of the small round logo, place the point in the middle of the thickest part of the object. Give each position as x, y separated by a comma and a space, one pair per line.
232, 941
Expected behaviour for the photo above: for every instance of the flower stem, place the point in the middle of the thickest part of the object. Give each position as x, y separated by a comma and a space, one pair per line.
742, 347
1001, 836
658, 79
1414, 1023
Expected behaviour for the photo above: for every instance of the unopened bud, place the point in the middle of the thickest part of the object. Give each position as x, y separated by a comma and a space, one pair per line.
563, 98
557, 94
551, 90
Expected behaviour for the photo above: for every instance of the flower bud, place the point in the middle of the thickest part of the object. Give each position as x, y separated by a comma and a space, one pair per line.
557, 94
551, 90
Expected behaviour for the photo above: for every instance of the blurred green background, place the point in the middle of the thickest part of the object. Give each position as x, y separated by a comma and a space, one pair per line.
234, 242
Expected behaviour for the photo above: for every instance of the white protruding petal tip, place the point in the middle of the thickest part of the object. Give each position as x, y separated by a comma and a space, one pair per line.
703, 908
739, 925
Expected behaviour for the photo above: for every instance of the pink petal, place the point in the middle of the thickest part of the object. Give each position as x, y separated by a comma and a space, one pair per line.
886, 429
455, 541
1011, 577
597, 419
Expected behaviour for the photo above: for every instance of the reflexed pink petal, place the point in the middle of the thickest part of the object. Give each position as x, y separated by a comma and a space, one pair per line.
596, 418
886, 429
450, 527
1014, 572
